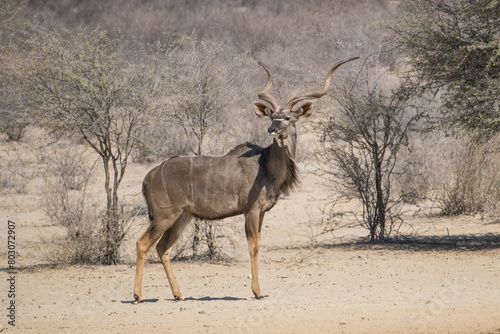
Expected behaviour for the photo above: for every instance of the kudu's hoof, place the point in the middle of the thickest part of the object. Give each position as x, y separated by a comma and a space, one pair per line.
180, 298
138, 299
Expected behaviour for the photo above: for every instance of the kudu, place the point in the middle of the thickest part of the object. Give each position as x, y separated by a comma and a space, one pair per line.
247, 180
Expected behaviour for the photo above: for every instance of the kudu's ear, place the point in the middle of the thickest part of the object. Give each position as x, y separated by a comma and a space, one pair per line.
262, 110
305, 110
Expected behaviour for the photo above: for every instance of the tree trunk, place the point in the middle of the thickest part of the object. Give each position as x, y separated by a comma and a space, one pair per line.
112, 225
379, 217
211, 235
196, 237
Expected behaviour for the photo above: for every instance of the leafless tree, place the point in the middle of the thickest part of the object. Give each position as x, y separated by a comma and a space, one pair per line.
361, 143
78, 84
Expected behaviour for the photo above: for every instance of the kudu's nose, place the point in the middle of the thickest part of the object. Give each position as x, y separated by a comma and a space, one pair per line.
271, 130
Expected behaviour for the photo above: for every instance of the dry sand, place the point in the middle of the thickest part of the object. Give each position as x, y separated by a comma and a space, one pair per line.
447, 282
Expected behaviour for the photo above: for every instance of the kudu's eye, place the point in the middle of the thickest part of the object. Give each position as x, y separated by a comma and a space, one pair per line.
287, 118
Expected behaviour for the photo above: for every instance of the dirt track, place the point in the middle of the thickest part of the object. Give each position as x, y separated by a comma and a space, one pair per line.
335, 290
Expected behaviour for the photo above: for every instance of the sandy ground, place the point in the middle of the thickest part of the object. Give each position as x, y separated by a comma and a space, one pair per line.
447, 281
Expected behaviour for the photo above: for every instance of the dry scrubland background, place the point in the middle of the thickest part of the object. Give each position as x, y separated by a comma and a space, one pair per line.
438, 273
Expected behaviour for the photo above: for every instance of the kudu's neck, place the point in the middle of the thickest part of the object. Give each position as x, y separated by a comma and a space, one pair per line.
291, 140
281, 163
288, 144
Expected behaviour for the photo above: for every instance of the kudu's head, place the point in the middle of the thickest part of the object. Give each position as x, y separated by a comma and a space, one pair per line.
283, 128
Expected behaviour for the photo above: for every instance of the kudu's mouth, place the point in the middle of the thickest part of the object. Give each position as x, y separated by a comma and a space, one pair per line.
279, 138
272, 133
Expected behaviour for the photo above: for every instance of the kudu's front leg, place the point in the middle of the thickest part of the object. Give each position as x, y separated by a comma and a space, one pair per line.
253, 226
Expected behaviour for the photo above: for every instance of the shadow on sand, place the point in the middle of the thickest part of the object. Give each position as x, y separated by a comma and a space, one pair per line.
216, 298
154, 300
463, 242
151, 300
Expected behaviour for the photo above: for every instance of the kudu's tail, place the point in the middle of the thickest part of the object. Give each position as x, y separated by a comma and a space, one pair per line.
144, 194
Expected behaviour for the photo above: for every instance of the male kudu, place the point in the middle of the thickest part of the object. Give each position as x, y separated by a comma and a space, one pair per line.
247, 180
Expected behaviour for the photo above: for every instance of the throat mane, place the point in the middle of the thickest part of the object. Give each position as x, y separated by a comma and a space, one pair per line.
281, 169
291, 177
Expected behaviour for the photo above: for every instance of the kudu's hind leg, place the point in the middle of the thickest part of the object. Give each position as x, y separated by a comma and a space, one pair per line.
253, 227
165, 246
144, 244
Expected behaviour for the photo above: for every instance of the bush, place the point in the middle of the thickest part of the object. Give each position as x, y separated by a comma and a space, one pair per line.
13, 125
214, 240
85, 240
361, 147
475, 186
13, 177
67, 204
